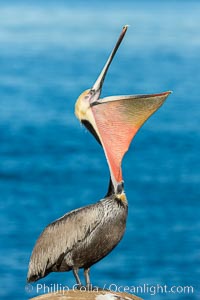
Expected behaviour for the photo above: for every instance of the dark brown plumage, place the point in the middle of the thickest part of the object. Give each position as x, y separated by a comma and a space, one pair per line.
80, 238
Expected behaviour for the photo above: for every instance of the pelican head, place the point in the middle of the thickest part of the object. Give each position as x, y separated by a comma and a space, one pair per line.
115, 120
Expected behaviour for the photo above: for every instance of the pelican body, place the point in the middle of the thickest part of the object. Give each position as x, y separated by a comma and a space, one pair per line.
80, 238
84, 236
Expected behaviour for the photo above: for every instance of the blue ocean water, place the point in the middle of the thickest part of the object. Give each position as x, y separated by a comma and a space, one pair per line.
49, 53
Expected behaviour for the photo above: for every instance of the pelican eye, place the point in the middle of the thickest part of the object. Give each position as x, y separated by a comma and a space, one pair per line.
92, 92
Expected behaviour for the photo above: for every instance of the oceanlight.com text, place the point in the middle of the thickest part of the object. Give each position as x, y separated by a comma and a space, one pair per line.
140, 289
150, 289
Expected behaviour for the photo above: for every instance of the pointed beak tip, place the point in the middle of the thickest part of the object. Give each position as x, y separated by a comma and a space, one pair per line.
125, 27
168, 93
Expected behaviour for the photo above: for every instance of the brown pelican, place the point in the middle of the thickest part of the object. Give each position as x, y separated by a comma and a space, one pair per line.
84, 236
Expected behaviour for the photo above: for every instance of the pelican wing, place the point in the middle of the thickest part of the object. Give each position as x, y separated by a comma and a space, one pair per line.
60, 237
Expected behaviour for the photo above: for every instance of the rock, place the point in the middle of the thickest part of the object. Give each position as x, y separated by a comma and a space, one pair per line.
85, 295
